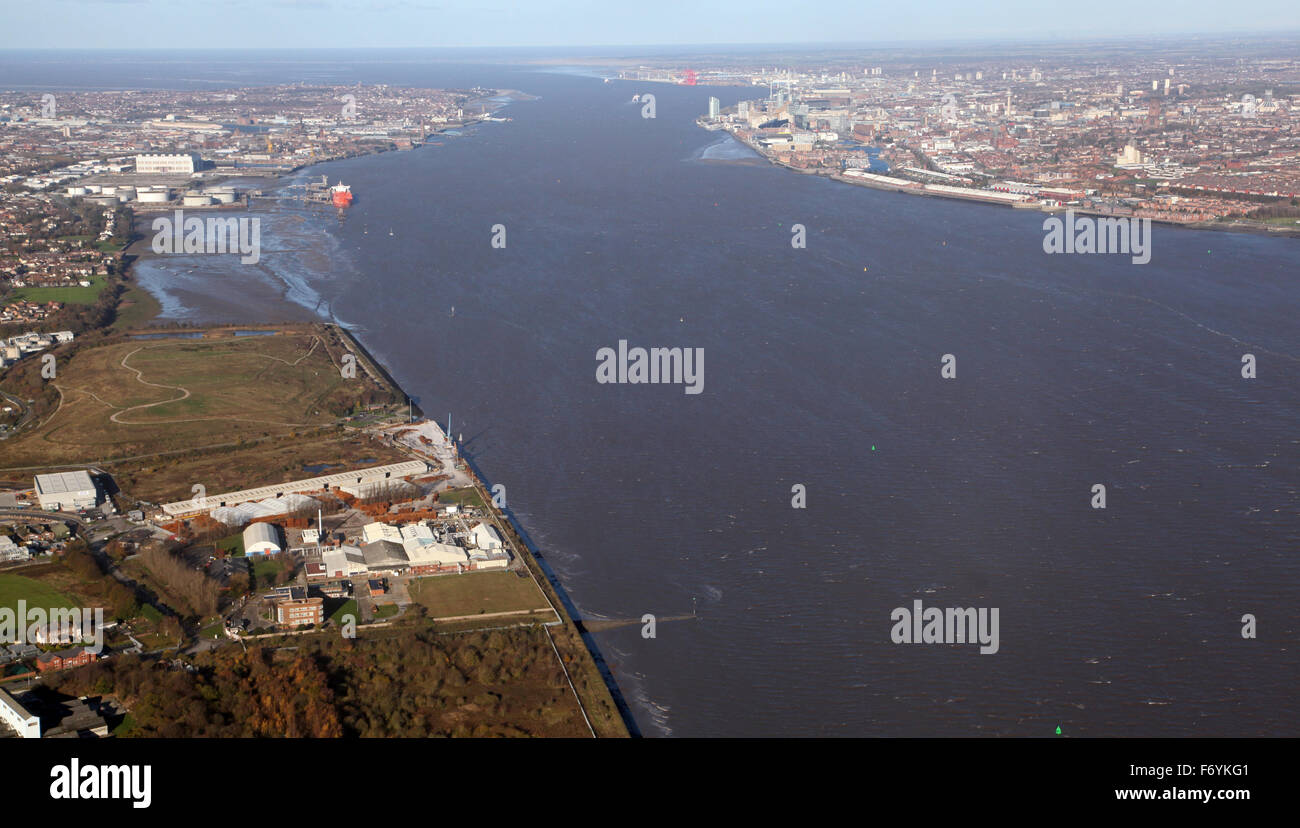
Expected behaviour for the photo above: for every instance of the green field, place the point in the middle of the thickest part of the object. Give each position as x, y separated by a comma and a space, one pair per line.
348, 607
213, 630
232, 544
36, 594
476, 592
265, 568
68, 295
468, 496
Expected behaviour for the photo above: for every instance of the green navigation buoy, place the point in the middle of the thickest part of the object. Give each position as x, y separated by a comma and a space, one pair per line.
873, 448
1058, 730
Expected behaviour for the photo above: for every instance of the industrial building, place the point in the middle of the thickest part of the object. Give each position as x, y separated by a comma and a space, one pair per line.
433, 557
270, 507
373, 532
413, 548
64, 491
18, 718
343, 562
339, 481
385, 556
489, 550
486, 537
262, 539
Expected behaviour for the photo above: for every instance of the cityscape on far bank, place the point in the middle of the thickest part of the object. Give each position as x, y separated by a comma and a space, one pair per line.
1186, 138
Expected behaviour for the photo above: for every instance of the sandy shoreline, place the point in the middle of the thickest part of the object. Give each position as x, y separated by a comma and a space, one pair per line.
213, 289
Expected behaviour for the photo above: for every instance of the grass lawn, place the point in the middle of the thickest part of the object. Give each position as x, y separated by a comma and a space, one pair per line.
386, 610
476, 592
266, 567
16, 587
77, 295
348, 607
156, 641
149, 612
214, 630
468, 496
232, 544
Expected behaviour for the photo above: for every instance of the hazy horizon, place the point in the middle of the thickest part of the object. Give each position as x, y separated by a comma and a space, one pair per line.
569, 24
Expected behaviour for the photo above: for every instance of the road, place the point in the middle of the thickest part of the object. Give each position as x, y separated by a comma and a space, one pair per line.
22, 406
36, 515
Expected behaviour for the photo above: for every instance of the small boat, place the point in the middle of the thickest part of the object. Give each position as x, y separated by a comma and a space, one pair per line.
390, 231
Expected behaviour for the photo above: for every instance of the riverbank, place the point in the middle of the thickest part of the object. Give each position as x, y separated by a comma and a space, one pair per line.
910, 187
228, 286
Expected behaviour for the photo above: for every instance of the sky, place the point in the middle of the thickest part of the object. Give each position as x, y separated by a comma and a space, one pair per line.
269, 24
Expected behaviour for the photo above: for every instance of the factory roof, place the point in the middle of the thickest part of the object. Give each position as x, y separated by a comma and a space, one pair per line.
61, 482
310, 484
442, 554
384, 553
260, 533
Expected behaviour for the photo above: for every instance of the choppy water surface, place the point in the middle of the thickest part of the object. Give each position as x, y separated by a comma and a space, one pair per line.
822, 368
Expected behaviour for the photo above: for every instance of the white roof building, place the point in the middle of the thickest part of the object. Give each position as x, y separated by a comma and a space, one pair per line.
327, 482
343, 562
417, 532
372, 532
435, 554
245, 512
18, 717
66, 490
10, 551
261, 539
486, 537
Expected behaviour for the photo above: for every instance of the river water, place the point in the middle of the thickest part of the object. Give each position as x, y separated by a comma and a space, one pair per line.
822, 369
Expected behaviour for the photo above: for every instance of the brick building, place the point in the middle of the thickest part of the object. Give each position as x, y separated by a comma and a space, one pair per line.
65, 659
